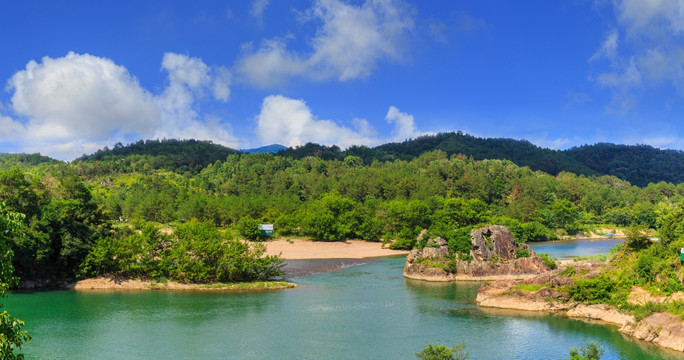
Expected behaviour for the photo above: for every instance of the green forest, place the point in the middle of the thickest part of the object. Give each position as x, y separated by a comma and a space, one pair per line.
109, 213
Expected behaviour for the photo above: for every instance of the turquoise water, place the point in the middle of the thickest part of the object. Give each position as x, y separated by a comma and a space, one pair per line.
366, 311
566, 249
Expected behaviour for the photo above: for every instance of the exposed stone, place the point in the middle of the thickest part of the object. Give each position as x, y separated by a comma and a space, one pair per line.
664, 329
500, 260
435, 252
640, 296
492, 240
437, 241
601, 312
519, 268
413, 255
422, 235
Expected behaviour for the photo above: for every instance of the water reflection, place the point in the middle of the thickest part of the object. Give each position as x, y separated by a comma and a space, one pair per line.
567, 249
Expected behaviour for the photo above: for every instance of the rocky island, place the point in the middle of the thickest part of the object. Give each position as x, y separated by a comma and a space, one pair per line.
494, 255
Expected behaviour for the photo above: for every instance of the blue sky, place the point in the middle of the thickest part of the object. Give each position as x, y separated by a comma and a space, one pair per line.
81, 75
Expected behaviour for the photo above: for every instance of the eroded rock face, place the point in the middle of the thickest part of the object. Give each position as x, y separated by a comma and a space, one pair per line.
496, 249
495, 241
664, 329
436, 249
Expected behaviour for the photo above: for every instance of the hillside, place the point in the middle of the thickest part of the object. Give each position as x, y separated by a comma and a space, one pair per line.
638, 164
170, 154
23, 161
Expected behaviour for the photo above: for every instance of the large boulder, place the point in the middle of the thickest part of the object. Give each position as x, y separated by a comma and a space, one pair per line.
436, 248
494, 240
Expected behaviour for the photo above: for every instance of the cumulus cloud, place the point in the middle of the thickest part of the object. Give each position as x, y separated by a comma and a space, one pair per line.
81, 96
654, 32
404, 125
290, 122
78, 103
348, 44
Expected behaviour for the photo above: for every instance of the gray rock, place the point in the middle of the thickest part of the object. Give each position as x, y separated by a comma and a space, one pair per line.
435, 252
413, 255
438, 241
492, 240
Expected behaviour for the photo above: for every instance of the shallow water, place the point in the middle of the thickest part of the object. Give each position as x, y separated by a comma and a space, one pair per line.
367, 311
567, 249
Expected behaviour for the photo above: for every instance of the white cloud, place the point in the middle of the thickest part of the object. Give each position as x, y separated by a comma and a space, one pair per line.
653, 31
78, 103
608, 48
290, 122
348, 44
404, 125
257, 9
81, 96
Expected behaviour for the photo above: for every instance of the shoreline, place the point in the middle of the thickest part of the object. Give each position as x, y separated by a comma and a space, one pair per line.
299, 249
111, 283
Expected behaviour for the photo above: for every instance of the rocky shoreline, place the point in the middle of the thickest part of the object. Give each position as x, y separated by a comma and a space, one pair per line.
663, 329
527, 283
494, 255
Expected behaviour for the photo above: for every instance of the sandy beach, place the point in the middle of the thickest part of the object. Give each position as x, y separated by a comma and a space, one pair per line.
298, 249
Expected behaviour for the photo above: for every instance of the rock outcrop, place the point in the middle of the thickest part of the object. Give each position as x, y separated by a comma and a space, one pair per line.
494, 254
494, 242
541, 293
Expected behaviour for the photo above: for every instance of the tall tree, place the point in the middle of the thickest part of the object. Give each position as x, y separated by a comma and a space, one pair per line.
11, 336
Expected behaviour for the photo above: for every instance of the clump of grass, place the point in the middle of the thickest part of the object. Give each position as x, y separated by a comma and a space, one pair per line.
550, 261
597, 257
528, 287
569, 271
254, 285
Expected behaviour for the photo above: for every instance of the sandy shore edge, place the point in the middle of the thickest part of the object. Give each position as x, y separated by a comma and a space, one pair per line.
299, 249
111, 283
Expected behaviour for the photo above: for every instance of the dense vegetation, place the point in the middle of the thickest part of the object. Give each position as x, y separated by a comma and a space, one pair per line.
640, 165
171, 154
12, 338
92, 216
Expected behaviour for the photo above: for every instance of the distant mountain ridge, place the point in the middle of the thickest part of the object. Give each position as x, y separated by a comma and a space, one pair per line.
273, 148
638, 164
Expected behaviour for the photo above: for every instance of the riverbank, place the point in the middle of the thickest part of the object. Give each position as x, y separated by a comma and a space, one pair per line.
111, 283
298, 249
542, 294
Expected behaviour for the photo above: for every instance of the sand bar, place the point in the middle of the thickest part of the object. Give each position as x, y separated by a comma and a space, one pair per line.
298, 249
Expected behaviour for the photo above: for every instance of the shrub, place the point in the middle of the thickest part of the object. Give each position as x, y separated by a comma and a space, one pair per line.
441, 352
249, 229
550, 261
601, 289
406, 239
591, 352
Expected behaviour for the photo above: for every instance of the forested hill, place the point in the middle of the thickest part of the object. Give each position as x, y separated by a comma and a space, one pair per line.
22, 161
640, 164
171, 154
521, 152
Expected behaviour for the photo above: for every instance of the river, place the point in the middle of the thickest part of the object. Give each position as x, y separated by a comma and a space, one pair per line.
362, 311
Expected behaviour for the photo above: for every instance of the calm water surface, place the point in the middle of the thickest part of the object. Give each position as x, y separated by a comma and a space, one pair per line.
567, 249
367, 311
